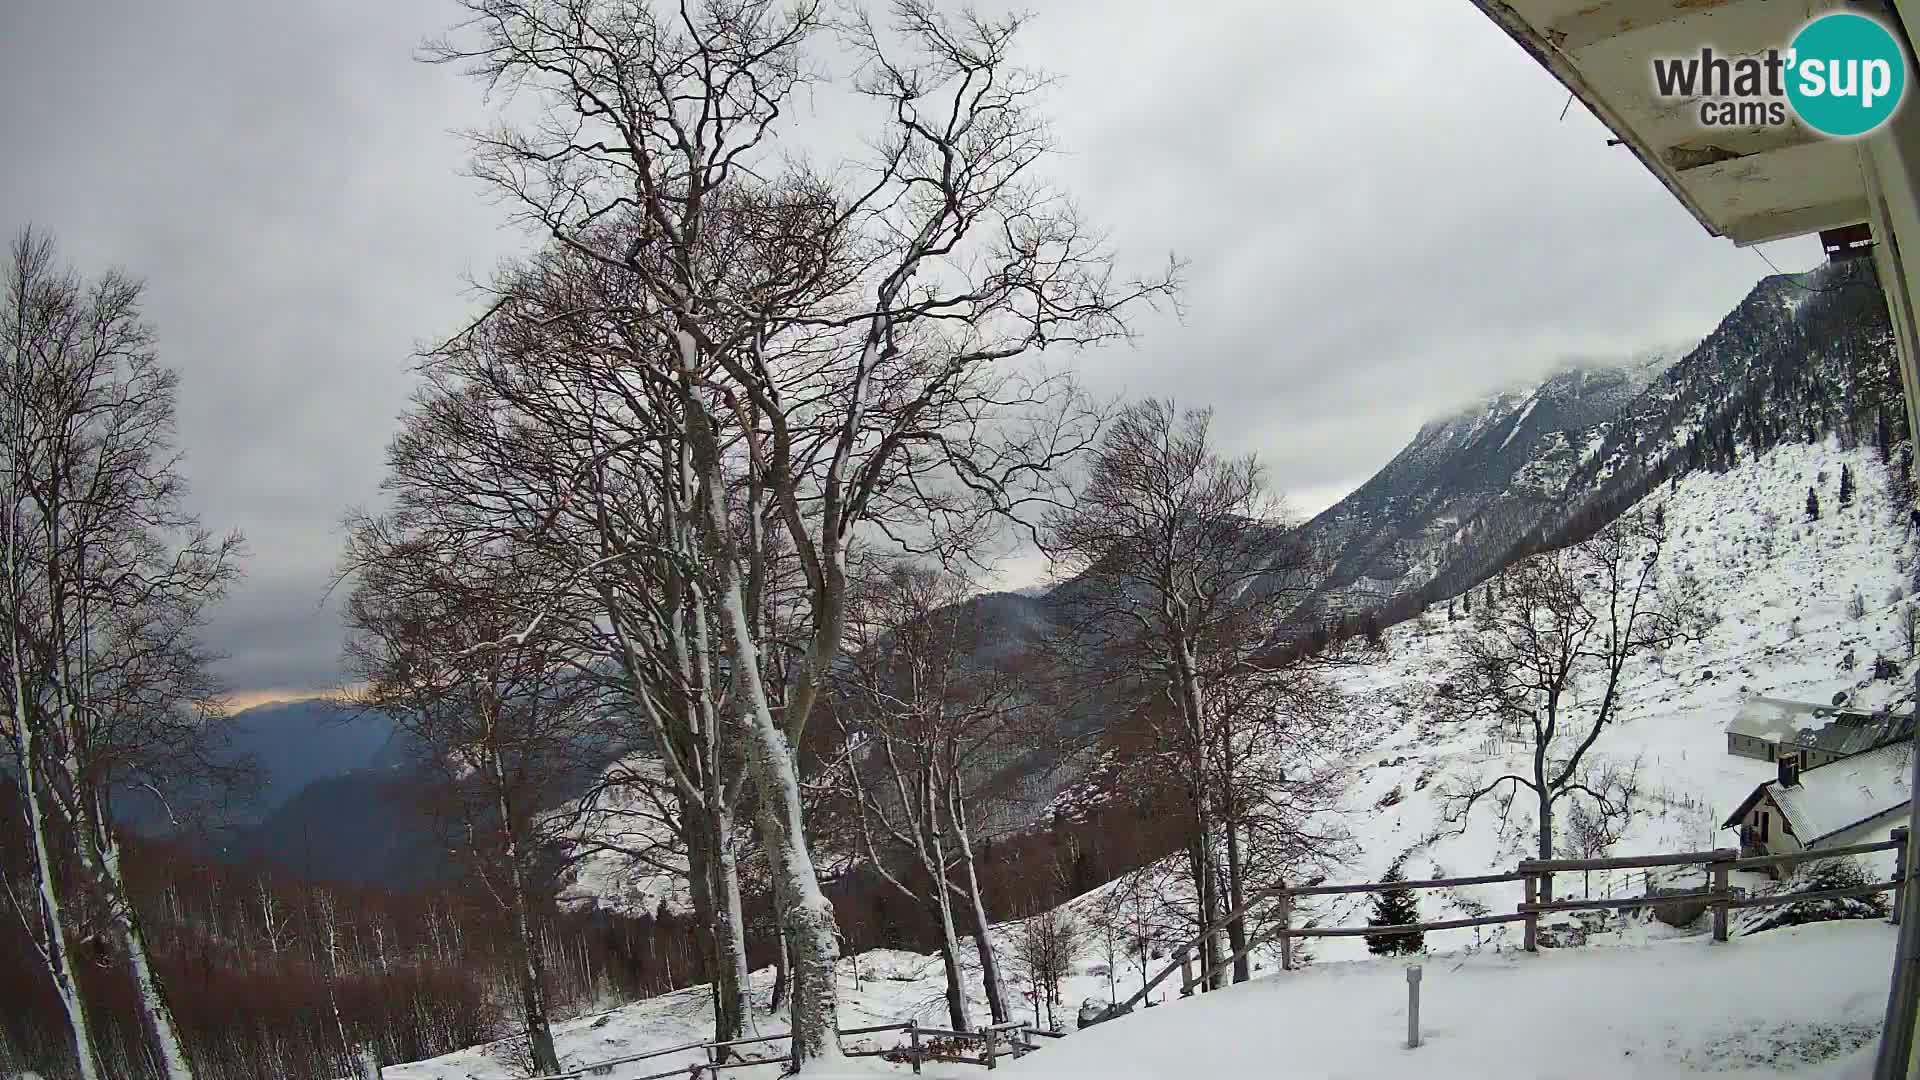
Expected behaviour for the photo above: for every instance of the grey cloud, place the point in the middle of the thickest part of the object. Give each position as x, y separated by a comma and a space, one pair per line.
1384, 214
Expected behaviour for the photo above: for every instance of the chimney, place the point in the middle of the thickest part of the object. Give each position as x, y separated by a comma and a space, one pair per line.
1789, 770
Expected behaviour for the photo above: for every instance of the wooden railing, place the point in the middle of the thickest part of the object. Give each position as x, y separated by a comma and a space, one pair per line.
921, 1045
1537, 876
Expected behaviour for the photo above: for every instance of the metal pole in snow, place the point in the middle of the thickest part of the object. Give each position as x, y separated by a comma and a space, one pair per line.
1413, 1006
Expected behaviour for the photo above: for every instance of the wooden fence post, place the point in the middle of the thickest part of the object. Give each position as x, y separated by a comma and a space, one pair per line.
913, 1044
1899, 872
1721, 894
991, 1036
1286, 924
1533, 917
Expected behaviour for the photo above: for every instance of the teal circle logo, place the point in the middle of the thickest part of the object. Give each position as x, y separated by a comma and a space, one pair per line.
1846, 74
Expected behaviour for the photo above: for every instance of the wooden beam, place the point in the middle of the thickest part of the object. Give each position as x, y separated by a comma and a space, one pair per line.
1625, 904
1746, 145
1389, 886
1814, 894
1369, 931
1812, 854
1782, 224
1631, 862
1601, 22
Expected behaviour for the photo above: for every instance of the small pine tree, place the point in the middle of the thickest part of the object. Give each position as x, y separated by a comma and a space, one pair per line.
1395, 907
1451, 613
1846, 485
1813, 505
1466, 602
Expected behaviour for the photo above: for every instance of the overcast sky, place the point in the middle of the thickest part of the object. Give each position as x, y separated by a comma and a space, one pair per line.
1385, 214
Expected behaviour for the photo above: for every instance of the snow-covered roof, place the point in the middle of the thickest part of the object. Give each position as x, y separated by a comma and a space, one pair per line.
1834, 797
1817, 727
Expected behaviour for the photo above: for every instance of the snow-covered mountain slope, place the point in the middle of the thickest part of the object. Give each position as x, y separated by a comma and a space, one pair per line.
626, 857
1781, 588
1513, 451
1798, 355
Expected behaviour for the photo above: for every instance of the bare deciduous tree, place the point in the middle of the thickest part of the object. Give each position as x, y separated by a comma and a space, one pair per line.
1549, 661
1184, 573
1048, 946
106, 580
926, 729
449, 641
834, 349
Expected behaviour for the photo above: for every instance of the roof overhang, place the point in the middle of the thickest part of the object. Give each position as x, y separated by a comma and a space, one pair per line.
1746, 806
1749, 184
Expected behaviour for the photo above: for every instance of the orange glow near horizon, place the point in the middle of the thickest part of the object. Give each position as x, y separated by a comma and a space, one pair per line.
247, 699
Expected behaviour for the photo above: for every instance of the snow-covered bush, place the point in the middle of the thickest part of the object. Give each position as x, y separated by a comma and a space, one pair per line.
1824, 874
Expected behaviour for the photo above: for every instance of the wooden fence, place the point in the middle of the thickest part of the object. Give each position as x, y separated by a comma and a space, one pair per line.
1537, 876
921, 1044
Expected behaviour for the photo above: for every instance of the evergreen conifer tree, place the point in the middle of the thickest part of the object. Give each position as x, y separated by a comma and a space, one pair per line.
1395, 907
1846, 485
1813, 505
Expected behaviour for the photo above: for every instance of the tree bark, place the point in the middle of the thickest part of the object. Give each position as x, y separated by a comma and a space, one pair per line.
153, 1004
950, 960
533, 994
57, 945
1546, 819
989, 960
700, 895
1193, 708
729, 934
1236, 899
809, 928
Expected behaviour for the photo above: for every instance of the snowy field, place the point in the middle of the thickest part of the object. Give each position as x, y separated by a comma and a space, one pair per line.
1641, 1000
1804, 1002
878, 987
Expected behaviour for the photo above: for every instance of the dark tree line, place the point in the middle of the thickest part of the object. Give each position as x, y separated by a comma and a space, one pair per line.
274, 976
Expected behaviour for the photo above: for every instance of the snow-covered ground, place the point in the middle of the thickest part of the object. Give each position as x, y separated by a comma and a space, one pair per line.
883, 986
1641, 999
1804, 1002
